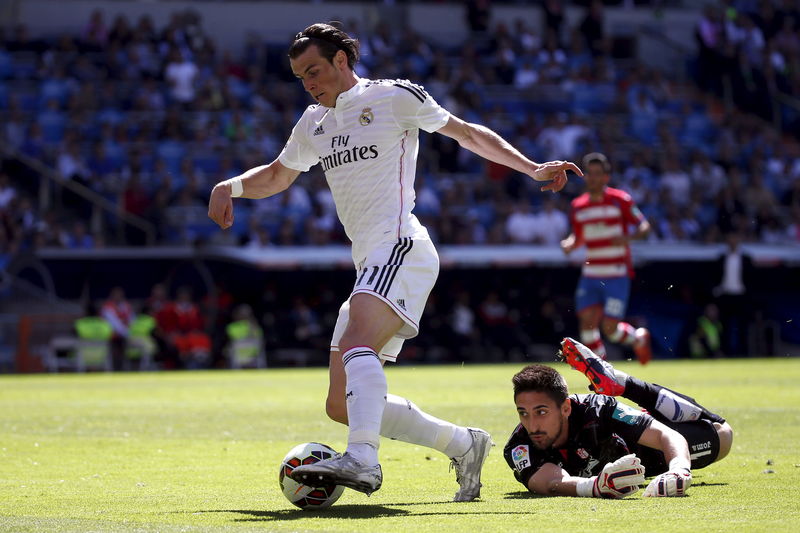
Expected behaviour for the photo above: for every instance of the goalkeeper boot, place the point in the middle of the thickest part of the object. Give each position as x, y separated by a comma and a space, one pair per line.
603, 377
340, 470
641, 347
468, 466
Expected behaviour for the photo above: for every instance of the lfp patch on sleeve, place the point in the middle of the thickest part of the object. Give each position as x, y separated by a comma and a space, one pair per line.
521, 457
626, 414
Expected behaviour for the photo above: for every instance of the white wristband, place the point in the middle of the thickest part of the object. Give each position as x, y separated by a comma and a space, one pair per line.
679, 463
585, 487
237, 189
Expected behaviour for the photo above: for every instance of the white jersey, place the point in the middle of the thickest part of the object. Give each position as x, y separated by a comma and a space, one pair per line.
367, 146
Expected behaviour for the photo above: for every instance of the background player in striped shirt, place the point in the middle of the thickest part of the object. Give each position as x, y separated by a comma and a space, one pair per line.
365, 135
600, 220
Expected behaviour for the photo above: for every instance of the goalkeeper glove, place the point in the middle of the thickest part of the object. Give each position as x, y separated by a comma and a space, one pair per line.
617, 480
672, 483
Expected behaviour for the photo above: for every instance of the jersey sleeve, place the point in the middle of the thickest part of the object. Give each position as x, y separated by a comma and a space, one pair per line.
519, 459
298, 154
630, 212
577, 227
627, 422
414, 108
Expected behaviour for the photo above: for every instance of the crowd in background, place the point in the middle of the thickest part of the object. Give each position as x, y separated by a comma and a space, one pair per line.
151, 118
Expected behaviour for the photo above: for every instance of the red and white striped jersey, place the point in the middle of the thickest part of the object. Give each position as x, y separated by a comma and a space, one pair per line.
367, 145
596, 224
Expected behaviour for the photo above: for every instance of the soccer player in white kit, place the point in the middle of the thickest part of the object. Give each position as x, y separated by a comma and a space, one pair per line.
365, 133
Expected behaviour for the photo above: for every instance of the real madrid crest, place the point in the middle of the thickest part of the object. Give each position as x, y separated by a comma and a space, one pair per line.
366, 117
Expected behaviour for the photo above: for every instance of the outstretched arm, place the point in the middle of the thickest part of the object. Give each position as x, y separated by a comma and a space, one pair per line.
677, 480
617, 480
489, 145
258, 182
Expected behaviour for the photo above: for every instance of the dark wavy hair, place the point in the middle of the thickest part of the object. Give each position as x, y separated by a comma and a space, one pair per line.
328, 39
540, 378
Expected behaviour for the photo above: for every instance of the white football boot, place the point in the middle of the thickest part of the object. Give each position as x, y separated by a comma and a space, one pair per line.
468, 466
340, 470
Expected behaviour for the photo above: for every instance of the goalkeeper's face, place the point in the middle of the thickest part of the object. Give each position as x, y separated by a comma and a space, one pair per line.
545, 421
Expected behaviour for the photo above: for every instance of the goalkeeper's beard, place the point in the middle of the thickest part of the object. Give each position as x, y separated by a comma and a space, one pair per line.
548, 443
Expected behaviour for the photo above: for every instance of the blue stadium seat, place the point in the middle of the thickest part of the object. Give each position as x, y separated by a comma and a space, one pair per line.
172, 152
593, 97
644, 128
3, 96
209, 163
53, 124
23, 65
5, 65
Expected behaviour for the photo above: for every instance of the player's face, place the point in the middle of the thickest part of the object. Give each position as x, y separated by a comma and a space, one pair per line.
544, 420
323, 80
596, 178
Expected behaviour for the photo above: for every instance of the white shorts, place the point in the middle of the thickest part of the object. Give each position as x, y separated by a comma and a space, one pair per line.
401, 274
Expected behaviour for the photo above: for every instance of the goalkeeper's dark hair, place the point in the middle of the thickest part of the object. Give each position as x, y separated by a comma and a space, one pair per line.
328, 39
540, 378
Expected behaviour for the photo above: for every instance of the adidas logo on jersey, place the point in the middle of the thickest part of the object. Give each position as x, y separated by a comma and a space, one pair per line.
319, 131
402, 303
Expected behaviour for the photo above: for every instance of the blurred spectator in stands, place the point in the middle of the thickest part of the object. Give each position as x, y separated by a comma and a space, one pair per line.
710, 34
553, 19
523, 226
526, 75
96, 31
793, 231
553, 223
466, 337
675, 180
162, 309
495, 324
181, 74
479, 15
706, 340
592, 28
560, 137
120, 32
259, 239
8, 193
79, 238
306, 329
732, 297
119, 313
706, 174
190, 338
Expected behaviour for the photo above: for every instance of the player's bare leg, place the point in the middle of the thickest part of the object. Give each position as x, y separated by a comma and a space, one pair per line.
403, 420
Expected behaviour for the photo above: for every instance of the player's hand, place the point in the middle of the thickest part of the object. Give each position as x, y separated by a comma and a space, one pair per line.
567, 245
672, 483
621, 478
556, 173
220, 205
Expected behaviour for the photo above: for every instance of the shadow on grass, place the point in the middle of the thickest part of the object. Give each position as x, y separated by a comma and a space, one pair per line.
347, 511
527, 495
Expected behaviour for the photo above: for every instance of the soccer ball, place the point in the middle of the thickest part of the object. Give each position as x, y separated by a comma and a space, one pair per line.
303, 496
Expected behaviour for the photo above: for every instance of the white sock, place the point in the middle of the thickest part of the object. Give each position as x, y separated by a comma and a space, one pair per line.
676, 408
366, 399
402, 420
591, 338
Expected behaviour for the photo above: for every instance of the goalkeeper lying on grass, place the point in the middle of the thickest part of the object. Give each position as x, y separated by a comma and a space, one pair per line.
594, 446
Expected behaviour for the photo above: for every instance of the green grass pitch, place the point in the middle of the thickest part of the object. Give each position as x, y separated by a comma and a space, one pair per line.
201, 451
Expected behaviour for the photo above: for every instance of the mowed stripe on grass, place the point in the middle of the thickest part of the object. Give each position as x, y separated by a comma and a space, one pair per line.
201, 451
